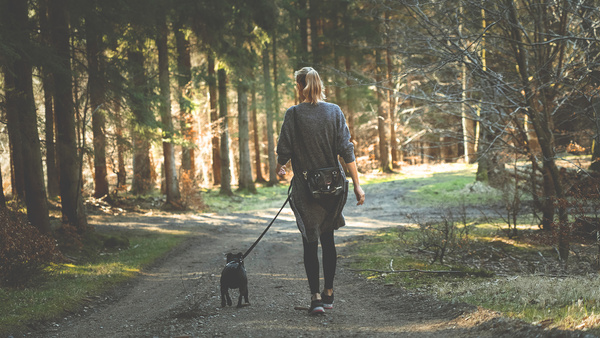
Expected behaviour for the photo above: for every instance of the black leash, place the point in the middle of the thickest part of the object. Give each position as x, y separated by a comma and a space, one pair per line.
268, 226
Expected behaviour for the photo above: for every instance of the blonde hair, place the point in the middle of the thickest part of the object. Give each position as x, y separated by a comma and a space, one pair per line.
313, 89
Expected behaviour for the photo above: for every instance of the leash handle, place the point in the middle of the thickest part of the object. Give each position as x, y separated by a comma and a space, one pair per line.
268, 226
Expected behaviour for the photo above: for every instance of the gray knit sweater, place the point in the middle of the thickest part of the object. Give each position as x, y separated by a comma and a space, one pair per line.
321, 129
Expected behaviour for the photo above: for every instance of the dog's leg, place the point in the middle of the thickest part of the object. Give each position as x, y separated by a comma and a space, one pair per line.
225, 296
246, 296
223, 292
228, 298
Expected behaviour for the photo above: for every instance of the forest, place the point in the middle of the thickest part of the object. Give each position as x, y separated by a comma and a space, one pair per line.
115, 99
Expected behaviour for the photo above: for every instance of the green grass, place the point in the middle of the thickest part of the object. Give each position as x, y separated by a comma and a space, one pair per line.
568, 302
388, 248
69, 285
265, 197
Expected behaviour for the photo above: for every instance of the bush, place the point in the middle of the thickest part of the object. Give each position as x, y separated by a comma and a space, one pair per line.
24, 251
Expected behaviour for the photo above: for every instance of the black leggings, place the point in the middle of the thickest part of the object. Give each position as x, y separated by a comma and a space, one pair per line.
311, 261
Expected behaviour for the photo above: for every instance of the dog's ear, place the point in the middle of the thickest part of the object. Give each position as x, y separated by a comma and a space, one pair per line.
229, 257
240, 255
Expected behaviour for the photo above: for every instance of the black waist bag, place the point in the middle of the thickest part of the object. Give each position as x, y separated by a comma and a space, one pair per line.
325, 182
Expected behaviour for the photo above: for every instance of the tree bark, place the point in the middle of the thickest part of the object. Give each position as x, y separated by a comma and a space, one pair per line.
141, 182
214, 120
269, 111
2, 198
391, 98
121, 173
20, 104
382, 119
96, 92
595, 163
350, 102
256, 138
276, 104
542, 124
53, 188
302, 53
172, 184
314, 19
245, 177
224, 128
184, 78
70, 175
14, 138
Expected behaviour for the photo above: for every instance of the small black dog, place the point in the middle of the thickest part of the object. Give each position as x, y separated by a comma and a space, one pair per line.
234, 277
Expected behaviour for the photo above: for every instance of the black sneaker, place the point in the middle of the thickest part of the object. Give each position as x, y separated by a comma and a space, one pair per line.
316, 307
327, 301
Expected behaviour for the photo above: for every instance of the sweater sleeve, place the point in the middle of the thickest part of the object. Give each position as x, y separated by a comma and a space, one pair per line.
344, 146
284, 145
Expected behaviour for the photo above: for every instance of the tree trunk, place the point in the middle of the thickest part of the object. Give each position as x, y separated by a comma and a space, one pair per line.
542, 124
184, 78
14, 138
53, 188
350, 102
269, 110
467, 124
302, 53
70, 175
20, 104
595, 165
172, 184
121, 173
547, 205
97, 92
214, 120
391, 98
314, 18
141, 182
256, 133
224, 128
382, 119
276, 104
2, 198
245, 175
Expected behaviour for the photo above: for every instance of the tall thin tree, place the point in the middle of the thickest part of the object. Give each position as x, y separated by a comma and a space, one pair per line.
172, 183
224, 128
53, 188
70, 175
142, 181
214, 118
269, 111
20, 104
96, 90
184, 92
256, 136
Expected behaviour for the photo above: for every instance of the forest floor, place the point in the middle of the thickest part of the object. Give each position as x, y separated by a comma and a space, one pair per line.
179, 296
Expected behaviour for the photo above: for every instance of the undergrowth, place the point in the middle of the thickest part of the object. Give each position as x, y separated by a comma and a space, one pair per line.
519, 276
70, 285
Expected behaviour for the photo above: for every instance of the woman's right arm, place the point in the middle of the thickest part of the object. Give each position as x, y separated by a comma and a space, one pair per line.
358, 192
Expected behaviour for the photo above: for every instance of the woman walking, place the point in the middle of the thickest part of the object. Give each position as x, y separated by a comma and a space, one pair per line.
312, 136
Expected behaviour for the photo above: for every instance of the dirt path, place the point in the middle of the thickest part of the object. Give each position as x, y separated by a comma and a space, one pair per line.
180, 296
